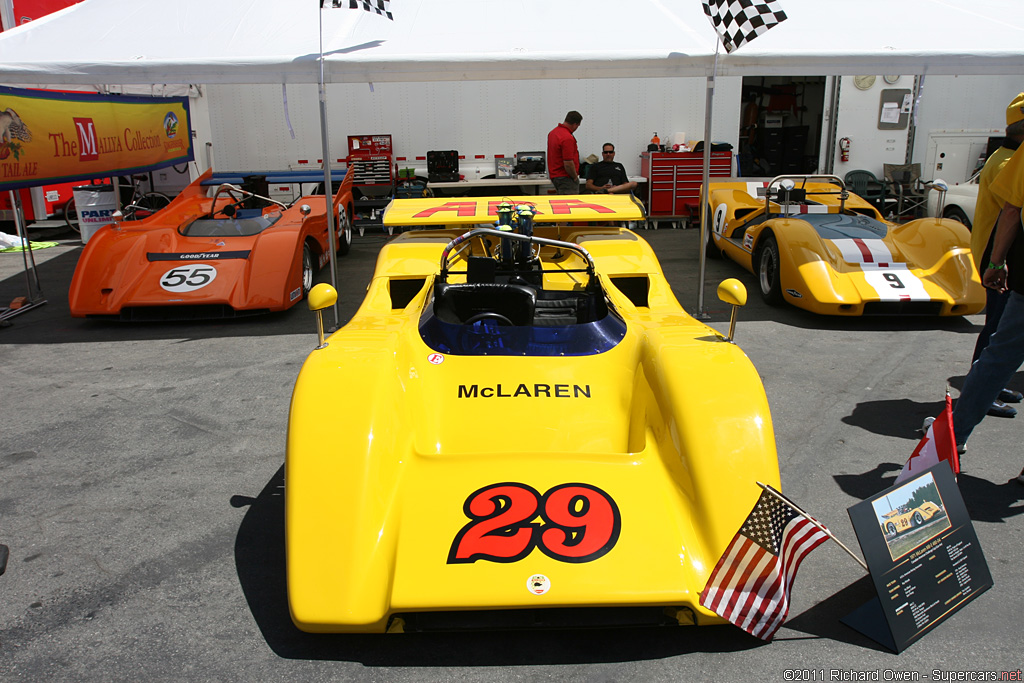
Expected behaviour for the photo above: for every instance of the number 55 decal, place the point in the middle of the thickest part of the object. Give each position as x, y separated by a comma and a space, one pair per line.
578, 523
188, 278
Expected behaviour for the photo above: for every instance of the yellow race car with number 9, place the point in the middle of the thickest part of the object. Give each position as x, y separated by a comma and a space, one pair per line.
815, 245
534, 431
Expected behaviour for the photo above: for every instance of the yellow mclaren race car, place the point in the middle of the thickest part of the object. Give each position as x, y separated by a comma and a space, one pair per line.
534, 431
898, 521
819, 247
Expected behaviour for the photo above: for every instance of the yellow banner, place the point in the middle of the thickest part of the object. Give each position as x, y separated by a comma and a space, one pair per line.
50, 137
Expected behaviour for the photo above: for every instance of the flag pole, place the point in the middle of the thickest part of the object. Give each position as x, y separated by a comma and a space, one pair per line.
328, 184
813, 521
709, 105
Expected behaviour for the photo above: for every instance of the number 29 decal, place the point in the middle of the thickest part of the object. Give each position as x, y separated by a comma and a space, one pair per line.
578, 523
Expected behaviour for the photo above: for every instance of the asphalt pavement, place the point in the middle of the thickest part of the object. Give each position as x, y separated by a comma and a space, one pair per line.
141, 480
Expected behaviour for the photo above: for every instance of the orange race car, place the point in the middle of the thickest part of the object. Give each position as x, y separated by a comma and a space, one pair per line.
219, 250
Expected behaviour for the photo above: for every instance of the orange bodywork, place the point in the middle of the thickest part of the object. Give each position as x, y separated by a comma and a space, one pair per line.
154, 269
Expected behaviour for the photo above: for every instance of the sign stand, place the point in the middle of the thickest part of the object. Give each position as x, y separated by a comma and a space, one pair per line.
35, 295
923, 555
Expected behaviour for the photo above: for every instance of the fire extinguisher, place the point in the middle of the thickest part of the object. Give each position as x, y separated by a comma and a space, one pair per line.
844, 149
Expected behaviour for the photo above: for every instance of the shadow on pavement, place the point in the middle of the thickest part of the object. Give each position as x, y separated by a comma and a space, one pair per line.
900, 418
822, 620
260, 563
985, 501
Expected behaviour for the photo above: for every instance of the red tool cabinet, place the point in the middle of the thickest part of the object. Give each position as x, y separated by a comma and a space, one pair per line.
673, 181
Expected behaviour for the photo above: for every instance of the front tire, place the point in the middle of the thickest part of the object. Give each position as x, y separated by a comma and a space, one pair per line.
918, 519
307, 270
766, 260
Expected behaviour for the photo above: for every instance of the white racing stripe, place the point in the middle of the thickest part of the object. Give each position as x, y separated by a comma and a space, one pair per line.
891, 281
864, 251
794, 209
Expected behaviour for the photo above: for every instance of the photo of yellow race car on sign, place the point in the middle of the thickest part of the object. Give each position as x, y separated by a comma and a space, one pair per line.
911, 515
814, 244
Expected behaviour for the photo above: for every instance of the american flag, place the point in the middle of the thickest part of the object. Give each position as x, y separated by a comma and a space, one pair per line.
750, 584
740, 21
381, 7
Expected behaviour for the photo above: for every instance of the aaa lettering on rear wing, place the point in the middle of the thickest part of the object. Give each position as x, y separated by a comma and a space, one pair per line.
484, 210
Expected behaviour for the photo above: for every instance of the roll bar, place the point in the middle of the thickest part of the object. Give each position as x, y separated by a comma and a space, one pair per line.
503, 234
843, 193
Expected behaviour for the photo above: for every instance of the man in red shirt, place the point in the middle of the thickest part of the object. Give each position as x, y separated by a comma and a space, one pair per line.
564, 156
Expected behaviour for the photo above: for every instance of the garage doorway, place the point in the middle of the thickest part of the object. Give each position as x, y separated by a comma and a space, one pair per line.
780, 125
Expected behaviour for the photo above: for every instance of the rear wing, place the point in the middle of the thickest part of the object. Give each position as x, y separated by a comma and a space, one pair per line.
434, 211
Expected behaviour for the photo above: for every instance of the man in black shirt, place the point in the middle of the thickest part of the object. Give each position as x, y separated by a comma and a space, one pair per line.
608, 176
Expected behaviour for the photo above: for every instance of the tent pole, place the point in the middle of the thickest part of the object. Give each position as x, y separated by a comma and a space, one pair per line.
26, 256
709, 104
328, 185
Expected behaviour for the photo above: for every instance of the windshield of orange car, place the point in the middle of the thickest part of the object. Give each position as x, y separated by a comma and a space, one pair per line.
230, 227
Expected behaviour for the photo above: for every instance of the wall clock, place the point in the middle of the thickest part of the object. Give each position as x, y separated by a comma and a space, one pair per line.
863, 82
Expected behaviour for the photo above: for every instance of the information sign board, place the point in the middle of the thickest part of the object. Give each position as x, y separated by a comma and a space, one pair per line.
923, 555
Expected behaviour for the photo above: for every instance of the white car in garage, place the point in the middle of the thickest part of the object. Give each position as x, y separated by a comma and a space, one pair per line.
959, 201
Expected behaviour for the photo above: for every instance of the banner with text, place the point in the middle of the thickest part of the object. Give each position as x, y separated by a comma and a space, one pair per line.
51, 137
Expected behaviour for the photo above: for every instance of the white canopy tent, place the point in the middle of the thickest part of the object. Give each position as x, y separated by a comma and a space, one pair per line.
278, 41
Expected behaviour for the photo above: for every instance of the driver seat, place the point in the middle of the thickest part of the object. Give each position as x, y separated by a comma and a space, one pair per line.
457, 303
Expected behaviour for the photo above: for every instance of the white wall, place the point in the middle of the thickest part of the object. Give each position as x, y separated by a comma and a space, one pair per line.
963, 102
947, 103
249, 131
858, 120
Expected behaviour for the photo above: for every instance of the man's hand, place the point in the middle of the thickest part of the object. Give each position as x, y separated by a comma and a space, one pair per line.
995, 278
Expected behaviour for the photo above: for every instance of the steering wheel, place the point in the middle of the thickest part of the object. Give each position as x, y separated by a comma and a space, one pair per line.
228, 209
490, 314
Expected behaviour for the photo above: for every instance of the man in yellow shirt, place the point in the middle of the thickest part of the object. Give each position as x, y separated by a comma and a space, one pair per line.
985, 214
1004, 272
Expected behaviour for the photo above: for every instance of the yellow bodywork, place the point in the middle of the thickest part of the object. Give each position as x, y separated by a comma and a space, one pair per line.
920, 267
389, 441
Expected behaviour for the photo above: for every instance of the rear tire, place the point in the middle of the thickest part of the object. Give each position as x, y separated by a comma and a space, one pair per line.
709, 242
957, 214
766, 260
307, 270
890, 529
344, 232
71, 216
150, 203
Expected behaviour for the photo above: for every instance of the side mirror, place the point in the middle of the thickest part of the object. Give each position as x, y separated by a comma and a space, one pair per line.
732, 292
320, 297
304, 209
940, 186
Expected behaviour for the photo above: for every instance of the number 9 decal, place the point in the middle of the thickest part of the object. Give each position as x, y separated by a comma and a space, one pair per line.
188, 278
720, 218
580, 524
894, 280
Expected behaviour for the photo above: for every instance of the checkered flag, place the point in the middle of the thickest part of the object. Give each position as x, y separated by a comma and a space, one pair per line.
381, 7
740, 21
